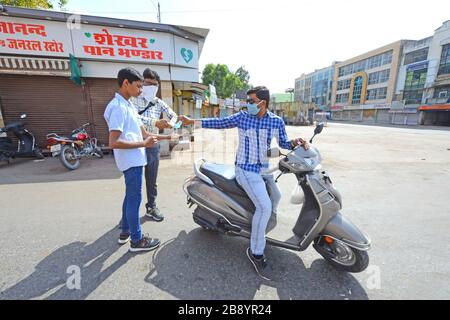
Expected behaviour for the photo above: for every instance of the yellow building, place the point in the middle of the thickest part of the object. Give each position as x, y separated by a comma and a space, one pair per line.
364, 86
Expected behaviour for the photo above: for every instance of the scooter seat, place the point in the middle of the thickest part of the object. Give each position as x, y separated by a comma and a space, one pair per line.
223, 176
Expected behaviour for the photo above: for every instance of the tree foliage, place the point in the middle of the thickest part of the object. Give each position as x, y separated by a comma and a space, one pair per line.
34, 4
225, 81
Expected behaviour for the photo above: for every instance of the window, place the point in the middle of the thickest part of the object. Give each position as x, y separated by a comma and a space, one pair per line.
381, 93
444, 66
371, 94
377, 94
357, 90
359, 66
413, 96
374, 62
416, 56
415, 79
344, 84
373, 78
442, 92
384, 76
342, 98
387, 58
379, 77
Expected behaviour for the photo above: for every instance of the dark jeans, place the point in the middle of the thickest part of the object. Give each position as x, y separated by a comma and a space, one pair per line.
132, 202
151, 174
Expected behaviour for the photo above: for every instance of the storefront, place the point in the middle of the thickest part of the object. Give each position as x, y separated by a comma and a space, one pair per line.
436, 115
39, 51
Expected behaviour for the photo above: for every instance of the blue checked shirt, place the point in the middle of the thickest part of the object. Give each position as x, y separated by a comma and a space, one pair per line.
153, 113
255, 137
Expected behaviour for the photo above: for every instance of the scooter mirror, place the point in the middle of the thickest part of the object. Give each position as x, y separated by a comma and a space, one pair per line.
273, 153
23, 116
318, 129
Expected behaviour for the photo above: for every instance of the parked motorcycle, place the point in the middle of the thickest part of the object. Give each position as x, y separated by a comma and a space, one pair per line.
71, 150
26, 146
223, 206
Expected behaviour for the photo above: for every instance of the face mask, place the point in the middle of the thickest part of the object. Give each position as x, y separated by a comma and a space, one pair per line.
253, 109
149, 92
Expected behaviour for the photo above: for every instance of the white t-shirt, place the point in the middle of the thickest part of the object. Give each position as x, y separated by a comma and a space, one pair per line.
121, 115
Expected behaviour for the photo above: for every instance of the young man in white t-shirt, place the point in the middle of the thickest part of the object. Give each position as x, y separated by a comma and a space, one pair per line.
129, 139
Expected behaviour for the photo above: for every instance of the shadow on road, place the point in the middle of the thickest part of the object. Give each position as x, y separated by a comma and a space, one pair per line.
196, 265
50, 275
205, 265
22, 171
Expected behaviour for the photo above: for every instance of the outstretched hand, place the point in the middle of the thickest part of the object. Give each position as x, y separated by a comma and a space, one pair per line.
163, 124
185, 120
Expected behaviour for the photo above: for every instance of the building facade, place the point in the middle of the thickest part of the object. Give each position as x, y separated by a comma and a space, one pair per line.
364, 86
38, 49
315, 87
404, 83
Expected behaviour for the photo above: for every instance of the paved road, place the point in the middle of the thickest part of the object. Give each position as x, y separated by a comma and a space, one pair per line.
395, 186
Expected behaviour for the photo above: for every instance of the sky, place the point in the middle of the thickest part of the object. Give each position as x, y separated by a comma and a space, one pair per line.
278, 40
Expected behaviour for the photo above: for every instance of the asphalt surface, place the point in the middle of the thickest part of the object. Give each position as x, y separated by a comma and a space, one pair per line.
394, 183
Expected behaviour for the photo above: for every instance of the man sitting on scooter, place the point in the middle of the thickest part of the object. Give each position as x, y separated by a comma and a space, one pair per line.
257, 128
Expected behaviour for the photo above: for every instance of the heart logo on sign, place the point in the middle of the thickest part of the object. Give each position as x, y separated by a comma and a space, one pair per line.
152, 40
87, 34
187, 54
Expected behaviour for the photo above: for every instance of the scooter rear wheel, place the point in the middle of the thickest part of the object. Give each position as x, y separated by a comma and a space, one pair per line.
38, 154
342, 256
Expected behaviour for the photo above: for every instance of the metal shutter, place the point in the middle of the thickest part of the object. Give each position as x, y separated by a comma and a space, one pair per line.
100, 93
53, 104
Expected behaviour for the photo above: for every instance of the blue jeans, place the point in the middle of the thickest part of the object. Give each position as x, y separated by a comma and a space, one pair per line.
132, 202
255, 186
151, 174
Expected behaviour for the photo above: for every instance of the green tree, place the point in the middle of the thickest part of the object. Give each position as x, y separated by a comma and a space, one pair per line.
231, 84
225, 81
244, 75
36, 4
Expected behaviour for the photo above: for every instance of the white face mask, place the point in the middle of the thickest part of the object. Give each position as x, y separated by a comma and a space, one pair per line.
149, 92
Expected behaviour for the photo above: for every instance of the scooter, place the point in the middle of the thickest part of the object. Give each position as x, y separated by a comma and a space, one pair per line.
222, 205
26, 146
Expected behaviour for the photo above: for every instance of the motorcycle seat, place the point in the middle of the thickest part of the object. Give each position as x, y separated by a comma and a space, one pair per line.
223, 176
56, 136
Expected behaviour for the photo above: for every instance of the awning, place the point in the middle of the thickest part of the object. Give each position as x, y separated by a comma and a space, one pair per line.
436, 107
34, 66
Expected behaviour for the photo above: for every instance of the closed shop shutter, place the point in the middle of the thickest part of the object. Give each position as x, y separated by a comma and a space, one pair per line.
412, 119
369, 116
52, 104
100, 93
347, 116
399, 118
443, 118
383, 116
355, 115
336, 115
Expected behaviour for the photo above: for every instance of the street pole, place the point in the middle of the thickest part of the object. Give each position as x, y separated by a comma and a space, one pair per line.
159, 13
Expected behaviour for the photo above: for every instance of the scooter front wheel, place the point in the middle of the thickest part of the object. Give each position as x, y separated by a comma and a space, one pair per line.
69, 157
341, 256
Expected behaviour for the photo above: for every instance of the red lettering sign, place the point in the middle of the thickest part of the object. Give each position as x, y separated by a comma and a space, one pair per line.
23, 28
